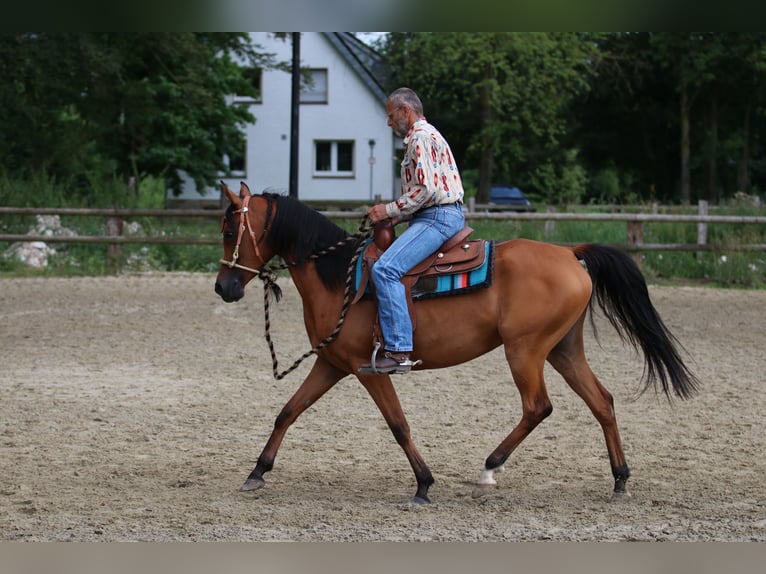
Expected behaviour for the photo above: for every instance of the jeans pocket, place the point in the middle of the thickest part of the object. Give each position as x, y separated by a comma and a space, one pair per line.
454, 220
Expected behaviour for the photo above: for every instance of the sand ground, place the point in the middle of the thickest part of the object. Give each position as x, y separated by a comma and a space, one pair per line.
133, 407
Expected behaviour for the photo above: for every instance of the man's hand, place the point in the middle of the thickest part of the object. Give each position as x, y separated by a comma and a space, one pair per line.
377, 213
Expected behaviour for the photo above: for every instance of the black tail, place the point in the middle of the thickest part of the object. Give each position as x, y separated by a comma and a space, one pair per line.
620, 289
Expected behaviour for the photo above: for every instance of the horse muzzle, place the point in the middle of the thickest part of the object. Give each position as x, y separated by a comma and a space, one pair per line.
231, 289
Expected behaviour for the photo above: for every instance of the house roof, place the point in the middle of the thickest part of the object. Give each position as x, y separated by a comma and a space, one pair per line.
363, 59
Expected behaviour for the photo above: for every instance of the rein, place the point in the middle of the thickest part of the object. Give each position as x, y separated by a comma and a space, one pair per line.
269, 277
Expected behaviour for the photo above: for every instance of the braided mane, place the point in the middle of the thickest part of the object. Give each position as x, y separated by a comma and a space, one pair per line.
303, 231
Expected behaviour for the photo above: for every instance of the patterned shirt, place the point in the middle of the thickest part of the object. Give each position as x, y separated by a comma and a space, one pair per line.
429, 172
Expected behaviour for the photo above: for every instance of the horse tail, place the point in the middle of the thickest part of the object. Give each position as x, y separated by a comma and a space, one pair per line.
621, 292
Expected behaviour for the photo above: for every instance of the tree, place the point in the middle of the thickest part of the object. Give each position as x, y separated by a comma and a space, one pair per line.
501, 99
675, 113
692, 59
627, 122
129, 105
654, 111
740, 88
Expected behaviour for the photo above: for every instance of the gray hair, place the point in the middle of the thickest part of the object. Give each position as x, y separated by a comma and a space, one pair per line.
406, 96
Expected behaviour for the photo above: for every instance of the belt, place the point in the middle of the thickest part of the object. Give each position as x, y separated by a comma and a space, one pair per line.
456, 203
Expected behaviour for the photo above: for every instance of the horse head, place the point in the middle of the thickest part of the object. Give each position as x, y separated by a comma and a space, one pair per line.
244, 227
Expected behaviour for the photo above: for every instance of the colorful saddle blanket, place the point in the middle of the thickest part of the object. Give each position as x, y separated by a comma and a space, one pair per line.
438, 282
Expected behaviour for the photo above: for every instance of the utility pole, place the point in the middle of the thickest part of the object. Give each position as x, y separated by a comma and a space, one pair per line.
294, 114
371, 143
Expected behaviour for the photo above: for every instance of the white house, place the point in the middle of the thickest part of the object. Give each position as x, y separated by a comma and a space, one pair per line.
346, 149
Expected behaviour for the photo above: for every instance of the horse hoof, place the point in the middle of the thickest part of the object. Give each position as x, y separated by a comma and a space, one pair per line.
482, 490
415, 504
620, 496
253, 484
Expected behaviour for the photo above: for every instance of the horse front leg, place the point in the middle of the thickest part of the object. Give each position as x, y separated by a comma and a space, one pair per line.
536, 406
382, 392
320, 379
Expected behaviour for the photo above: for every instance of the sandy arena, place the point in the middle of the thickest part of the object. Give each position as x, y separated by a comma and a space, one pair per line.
132, 408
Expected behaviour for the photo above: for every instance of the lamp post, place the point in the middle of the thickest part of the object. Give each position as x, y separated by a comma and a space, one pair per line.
295, 114
372, 163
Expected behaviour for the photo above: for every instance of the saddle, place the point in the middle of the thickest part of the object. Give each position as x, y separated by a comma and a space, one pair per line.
456, 255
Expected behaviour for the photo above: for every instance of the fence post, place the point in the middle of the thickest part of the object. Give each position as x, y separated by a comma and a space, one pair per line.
550, 224
636, 238
114, 227
702, 226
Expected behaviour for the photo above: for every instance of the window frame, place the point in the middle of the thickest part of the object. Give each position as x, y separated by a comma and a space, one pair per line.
333, 172
305, 86
249, 99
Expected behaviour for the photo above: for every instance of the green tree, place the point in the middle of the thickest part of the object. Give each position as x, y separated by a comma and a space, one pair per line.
628, 122
735, 107
677, 114
127, 105
501, 99
693, 59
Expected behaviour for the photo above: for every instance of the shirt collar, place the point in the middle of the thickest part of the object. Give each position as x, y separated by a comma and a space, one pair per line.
408, 135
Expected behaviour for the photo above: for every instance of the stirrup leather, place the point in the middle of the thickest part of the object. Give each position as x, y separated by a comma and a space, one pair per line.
372, 369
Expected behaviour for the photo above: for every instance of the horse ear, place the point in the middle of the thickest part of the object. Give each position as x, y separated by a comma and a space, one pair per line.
244, 191
230, 194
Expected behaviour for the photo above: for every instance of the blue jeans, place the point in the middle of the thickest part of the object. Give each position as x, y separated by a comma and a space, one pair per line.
427, 231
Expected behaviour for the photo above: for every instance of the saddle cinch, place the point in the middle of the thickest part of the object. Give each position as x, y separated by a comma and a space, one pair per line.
457, 255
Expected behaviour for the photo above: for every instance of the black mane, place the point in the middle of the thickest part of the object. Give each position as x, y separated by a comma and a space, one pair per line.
304, 231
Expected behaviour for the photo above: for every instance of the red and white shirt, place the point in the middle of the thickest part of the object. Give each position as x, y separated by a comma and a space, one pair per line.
429, 172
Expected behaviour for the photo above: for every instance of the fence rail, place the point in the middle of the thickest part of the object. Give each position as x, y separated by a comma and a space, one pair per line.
634, 222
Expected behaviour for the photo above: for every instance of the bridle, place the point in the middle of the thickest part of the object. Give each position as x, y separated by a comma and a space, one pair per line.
269, 275
244, 224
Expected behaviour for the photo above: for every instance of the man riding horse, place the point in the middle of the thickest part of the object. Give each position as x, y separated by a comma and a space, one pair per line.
431, 198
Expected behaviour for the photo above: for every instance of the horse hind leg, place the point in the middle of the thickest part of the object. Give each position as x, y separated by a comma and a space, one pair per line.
568, 358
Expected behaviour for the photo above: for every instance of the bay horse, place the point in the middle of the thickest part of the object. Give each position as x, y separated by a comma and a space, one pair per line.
535, 308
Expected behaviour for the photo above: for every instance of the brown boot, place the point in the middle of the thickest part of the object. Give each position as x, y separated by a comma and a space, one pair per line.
392, 363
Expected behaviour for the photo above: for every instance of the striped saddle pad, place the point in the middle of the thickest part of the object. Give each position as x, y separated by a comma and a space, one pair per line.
464, 268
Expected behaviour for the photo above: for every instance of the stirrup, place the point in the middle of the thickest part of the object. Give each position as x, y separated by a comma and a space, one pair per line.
372, 369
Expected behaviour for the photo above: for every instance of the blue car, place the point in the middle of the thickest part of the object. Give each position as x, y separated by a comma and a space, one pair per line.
510, 198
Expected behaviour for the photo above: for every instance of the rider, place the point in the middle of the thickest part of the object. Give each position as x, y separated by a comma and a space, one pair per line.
431, 199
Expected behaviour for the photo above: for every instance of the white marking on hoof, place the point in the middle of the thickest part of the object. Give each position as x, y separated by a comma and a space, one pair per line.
486, 478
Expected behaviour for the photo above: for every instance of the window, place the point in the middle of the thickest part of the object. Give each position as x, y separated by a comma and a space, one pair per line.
254, 77
236, 162
334, 158
314, 87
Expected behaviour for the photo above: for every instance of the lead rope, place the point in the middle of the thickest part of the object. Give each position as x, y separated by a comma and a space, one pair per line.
269, 276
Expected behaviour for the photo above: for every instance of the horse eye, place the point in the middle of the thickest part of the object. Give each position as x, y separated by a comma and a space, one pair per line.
228, 235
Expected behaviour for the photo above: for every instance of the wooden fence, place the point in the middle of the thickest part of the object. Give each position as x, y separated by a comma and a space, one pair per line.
114, 225
634, 242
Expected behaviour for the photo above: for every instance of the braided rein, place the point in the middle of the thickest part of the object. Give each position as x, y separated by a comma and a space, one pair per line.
269, 277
